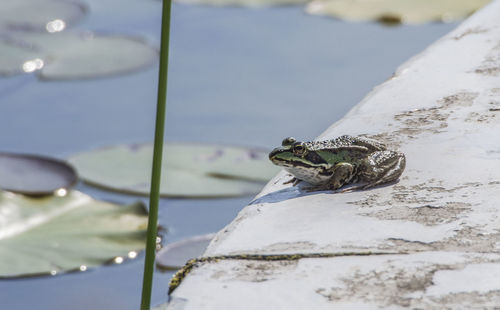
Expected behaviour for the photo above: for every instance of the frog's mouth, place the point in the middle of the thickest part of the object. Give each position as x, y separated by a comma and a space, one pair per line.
280, 162
299, 165
290, 163
283, 158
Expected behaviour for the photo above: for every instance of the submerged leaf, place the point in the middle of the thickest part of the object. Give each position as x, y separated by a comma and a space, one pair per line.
51, 15
396, 11
175, 255
67, 56
34, 175
244, 3
189, 170
66, 233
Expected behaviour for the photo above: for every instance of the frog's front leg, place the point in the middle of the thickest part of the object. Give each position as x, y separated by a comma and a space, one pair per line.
342, 174
382, 167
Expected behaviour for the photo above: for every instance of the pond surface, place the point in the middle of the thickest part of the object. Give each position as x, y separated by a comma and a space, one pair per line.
237, 76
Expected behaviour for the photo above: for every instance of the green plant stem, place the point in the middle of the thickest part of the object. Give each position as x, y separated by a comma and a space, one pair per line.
154, 197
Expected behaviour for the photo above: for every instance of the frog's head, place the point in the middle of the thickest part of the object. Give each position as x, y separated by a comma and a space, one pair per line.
299, 159
291, 153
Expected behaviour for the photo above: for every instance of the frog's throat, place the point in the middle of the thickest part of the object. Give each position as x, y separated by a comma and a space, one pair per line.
312, 175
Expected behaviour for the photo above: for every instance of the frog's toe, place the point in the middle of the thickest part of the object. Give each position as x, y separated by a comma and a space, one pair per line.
377, 183
352, 188
293, 181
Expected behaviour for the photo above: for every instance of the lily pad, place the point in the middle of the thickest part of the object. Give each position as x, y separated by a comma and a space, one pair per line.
244, 3
396, 11
189, 170
51, 15
69, 56
34, 175
175, 255
86, 56
66, 233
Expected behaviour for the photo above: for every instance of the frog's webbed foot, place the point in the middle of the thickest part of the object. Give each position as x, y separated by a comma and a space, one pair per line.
383, 167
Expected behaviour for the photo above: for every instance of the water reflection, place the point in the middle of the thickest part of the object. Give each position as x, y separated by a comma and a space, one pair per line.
33, 65
118, 260
158, 242
61, 192
132, 254
56, 25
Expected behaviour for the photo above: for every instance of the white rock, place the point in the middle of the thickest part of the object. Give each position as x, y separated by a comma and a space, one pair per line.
481, 278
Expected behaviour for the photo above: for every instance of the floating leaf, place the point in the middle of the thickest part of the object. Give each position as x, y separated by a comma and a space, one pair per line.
90, 56
189, 170
73, 232
51, 15
34, 175
396, 11
67, 56
244, 3
175, 255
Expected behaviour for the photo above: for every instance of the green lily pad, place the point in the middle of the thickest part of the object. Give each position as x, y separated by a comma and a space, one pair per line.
46, 236
69, 56
34, 175
189, 170
396, 11
244, 3
51, 15
175, 255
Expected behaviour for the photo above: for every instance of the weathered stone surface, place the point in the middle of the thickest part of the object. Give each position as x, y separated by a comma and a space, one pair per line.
441, 221
424, 280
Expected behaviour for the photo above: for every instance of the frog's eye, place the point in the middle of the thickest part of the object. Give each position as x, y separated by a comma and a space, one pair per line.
288, 141
299, 149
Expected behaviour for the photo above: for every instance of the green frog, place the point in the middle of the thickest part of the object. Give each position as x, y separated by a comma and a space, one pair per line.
331, 164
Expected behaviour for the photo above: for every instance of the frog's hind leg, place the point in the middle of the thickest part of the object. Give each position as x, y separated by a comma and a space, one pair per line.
383, 167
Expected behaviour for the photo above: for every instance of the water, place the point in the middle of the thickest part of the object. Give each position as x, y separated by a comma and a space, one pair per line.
237, 76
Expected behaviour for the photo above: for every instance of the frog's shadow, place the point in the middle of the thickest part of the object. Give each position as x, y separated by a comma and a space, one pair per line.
281, 195
298, 191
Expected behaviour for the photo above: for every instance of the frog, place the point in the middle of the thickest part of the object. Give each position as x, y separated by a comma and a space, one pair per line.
335, 163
